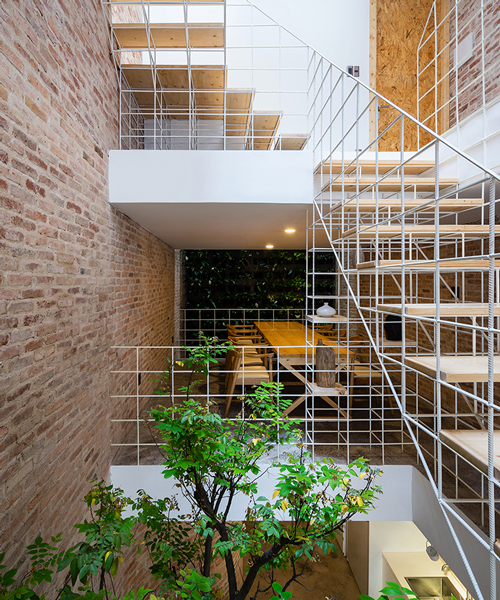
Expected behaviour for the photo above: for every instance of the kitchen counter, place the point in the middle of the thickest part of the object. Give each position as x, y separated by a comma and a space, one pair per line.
400, 565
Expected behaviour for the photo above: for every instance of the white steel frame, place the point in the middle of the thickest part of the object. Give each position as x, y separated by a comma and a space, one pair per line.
356, 234
448, 23
142, 127
213, 321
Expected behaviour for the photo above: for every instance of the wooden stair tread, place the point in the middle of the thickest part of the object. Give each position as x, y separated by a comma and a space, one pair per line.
338, 390
209, 105
365, 372
473, 446
415, 167
168, 35
289, 141
171, 77
389, 184
368, 205
415, 265
456, 369
263, 128
446, 309
420, 231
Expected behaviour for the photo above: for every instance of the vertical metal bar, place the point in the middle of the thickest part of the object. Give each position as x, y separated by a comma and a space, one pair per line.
437, 326
491, 396
137, 404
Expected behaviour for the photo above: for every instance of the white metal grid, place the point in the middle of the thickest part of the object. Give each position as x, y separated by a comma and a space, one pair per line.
183, 102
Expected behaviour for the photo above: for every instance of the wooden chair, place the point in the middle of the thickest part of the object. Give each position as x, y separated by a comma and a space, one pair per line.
241, 329
254, 346
338, 335
245, 370
247, 340
325, 328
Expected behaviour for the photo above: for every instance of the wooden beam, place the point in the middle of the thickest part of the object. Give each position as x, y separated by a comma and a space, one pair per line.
473, 446
446, 309
368, 167
166, 35
263, 128
456, 369
421, 231
415, 265
368, 205
389, 184
289, 141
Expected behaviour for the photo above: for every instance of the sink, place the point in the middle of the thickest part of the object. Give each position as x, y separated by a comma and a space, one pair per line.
432, 588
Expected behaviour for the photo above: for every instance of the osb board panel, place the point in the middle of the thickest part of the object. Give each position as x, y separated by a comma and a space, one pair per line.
396, 66
434, 80
164, 35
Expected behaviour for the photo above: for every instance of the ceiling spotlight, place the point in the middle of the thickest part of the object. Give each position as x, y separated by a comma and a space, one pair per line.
432, 552
269, 246
290, 230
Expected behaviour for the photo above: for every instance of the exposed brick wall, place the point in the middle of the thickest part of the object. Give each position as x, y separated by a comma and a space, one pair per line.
77, 276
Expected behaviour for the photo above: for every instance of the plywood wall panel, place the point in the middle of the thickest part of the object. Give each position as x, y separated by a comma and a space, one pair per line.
400, 24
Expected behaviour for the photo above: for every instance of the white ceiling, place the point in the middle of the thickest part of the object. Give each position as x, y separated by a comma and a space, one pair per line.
222, 226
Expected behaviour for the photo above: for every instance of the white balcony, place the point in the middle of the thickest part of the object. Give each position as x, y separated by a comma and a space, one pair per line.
215, 200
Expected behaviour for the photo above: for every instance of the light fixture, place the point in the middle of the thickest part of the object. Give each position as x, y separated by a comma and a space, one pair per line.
431, 552
269, 246
290, 230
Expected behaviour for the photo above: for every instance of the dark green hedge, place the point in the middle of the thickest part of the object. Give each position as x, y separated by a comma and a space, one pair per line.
246, 278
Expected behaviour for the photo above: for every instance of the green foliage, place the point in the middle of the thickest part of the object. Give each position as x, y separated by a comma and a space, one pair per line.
246, 278
197, 362
97, 557
105, 534
170, 540
280, 594
214, 460
194, 586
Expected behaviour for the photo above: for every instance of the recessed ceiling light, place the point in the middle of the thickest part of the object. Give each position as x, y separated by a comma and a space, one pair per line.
290, 230
269, 246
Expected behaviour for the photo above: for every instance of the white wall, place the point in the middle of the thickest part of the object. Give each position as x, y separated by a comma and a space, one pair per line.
396, 482
407, 496
428, 517
479, 137
389, 536
338, 29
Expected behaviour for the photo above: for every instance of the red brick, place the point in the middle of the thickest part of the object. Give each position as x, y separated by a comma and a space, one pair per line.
35, 188
35, 108
62, 104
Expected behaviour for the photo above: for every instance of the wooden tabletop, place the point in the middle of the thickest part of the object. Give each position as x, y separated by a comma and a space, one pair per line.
290, 338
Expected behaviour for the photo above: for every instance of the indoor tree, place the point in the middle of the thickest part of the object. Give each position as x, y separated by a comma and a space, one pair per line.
217, 463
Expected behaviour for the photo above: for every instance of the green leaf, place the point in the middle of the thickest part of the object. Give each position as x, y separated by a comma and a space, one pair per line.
277, 587
114, 567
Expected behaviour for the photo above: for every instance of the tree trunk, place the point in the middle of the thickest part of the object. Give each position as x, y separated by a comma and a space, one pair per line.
326, 363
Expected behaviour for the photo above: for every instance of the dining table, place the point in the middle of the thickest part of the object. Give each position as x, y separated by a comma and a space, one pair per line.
290, 342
